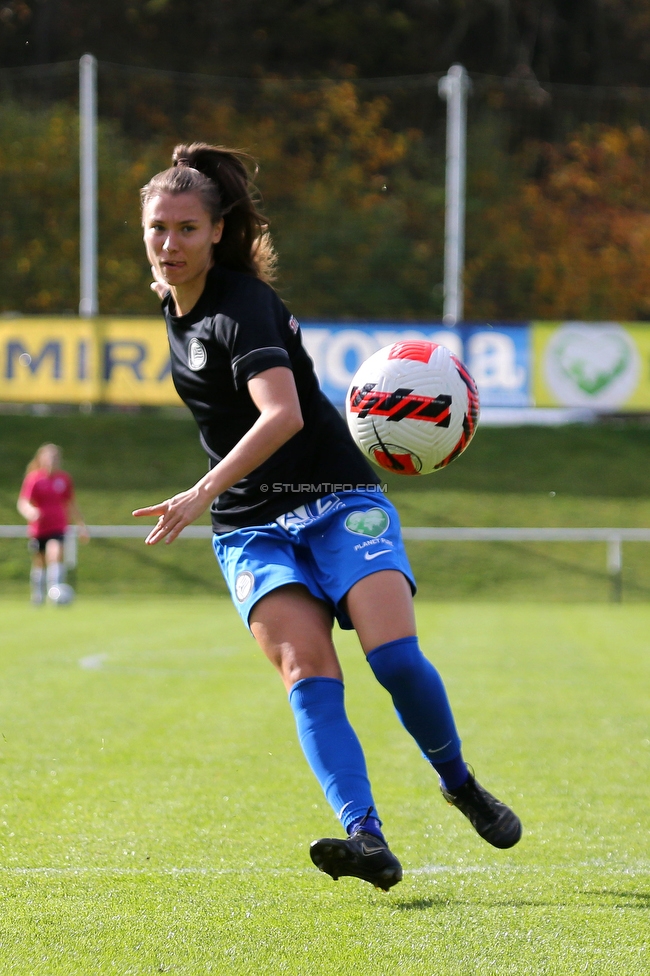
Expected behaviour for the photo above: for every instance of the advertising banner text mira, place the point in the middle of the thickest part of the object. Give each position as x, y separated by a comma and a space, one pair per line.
125, 361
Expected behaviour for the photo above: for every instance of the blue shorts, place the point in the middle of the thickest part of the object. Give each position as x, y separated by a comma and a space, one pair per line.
328, 546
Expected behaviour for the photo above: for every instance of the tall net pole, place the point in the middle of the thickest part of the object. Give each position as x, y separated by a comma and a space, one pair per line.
88, 304
453, 87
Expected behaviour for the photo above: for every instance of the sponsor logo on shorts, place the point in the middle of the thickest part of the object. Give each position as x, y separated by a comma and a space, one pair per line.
381, 540
197, 357
372, 522
294, 324
373, 555
305, 514
244, 585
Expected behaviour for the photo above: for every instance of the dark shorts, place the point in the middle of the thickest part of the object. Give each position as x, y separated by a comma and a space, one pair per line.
38, 544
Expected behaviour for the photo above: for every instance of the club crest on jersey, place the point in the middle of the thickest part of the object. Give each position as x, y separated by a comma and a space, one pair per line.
372, 523
197, 357
243, 585
294, 324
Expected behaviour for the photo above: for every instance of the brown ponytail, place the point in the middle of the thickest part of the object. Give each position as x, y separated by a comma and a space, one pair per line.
221, 177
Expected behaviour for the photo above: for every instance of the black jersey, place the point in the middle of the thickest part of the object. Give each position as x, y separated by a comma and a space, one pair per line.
239, 328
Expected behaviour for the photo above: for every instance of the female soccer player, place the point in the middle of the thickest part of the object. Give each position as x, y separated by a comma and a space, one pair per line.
47, 502
303, 534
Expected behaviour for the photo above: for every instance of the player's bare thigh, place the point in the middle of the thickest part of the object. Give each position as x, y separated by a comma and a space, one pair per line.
380, 607
53, 551
294, 630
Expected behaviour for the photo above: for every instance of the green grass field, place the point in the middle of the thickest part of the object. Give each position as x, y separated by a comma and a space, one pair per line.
156, 809
572, 476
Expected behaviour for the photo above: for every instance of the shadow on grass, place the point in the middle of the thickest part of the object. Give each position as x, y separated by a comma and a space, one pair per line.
594, 574
637, 899
560, 564
182, 576
423, 904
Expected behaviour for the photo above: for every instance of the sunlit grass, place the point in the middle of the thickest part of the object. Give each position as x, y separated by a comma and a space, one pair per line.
156, 810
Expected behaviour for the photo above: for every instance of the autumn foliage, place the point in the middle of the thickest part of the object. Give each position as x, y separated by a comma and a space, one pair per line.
555, 230
351, 213
572, 239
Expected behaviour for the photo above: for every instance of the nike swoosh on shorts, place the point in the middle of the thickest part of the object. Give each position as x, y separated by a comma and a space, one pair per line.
373, 555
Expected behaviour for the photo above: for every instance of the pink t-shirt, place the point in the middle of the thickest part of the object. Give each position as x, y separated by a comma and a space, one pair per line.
50, 494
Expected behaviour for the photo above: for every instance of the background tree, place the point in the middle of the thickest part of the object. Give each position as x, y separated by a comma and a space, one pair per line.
573, 241
351, 202
576, 41
352, 170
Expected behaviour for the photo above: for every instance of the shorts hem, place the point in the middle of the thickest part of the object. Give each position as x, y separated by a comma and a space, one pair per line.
277, 585
38, 543
343, 620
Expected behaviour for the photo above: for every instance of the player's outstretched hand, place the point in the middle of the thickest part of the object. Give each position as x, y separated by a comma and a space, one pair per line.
173, 515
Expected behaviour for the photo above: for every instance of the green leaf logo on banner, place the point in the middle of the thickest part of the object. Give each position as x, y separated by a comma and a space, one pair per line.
595, 365
590, 366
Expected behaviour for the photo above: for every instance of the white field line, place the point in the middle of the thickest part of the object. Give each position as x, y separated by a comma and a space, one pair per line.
640, 869
100, 662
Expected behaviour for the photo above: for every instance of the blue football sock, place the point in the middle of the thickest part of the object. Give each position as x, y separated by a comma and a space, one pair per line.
422, 705
370, 824
332, 748
453, 773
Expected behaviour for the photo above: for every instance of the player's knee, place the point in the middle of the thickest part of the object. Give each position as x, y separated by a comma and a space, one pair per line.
296, 663
295, 670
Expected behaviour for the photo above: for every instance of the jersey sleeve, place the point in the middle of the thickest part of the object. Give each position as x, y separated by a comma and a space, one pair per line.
256, 338
27, 486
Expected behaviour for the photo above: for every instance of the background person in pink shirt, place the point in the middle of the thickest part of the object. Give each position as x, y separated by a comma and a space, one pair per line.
47, 502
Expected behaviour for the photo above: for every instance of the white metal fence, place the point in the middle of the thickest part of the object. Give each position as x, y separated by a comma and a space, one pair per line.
613, 539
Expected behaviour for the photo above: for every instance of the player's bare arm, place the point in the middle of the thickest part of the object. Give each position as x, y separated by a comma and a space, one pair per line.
74, 515
274, 394
28, 511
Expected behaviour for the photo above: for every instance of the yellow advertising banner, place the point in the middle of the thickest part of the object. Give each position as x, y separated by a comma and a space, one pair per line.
604, 365
125, 361
70, 360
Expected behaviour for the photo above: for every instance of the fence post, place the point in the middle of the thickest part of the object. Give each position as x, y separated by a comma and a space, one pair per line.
88, 304
615, 567
453, 87
70, 547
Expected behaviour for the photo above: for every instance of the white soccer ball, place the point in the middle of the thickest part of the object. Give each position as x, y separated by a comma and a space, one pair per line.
412, 407
60, 594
